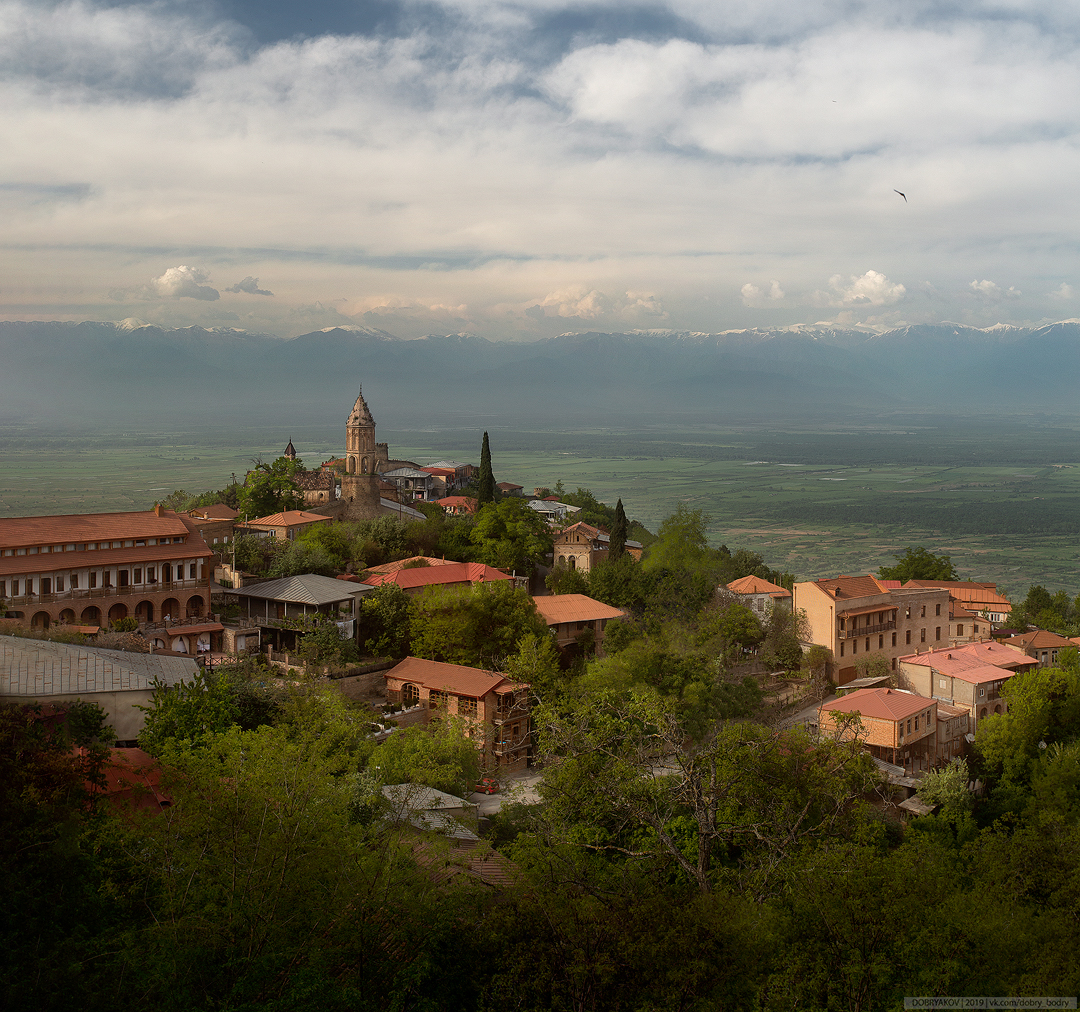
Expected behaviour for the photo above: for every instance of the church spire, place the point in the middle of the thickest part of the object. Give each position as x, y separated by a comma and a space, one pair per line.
360, 414
290, 450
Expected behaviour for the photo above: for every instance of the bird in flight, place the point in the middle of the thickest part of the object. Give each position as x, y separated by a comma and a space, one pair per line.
904, 195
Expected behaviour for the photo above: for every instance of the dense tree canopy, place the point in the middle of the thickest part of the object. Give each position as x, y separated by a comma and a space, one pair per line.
271, 488
919, 564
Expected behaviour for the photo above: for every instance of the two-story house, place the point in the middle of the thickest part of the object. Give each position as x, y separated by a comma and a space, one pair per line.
581, 546
96, 568
759, 595
496, 710
894, 726
568, 616
968, 676
1041, 644
853, 615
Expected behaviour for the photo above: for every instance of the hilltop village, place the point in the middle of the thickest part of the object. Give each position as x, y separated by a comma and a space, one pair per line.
527, 700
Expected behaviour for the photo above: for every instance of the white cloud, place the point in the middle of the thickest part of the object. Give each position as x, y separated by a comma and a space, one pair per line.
1064, 292
754, 297
869, 289
249, 285
183, 283
993, 292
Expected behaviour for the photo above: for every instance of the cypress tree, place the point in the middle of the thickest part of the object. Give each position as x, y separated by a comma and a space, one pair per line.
487, 477
618, 533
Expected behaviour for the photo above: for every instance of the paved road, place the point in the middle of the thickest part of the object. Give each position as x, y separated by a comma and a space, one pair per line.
519, 789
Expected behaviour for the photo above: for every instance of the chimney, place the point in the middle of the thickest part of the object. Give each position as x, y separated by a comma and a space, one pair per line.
159, 510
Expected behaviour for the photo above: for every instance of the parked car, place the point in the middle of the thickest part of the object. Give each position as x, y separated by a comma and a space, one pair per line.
487, 786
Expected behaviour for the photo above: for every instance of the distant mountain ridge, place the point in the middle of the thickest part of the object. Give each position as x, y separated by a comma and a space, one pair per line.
134, 371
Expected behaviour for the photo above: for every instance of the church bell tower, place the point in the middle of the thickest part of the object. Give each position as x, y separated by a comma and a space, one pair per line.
364, 459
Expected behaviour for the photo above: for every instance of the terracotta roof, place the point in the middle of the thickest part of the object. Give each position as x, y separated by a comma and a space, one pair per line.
440, 472
467, 502
182, 630
756, 585
19, 532
455, 678
959, 611
974, 662
290, 518
852, 586
574, 608
507, 486
62, 562
1037, 639
429, 576
947, 710
132, 778
393, 567
219, 511
885, 704
981, 595
583, 528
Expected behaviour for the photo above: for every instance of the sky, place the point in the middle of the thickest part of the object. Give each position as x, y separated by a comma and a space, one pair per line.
518, 169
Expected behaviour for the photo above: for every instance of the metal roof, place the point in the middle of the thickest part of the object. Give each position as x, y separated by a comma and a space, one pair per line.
39, 668
307, 589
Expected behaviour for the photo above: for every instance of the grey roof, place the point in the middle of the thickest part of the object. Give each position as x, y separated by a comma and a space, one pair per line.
307, 589
405, 472
428, 809
41, 668
455, 464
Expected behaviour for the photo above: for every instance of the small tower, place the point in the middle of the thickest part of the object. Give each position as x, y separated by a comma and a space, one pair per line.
290, 450
364, 458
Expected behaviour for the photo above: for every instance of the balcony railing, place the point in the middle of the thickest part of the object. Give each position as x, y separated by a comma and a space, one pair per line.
866, 630
517, 711
140, 589
511, 744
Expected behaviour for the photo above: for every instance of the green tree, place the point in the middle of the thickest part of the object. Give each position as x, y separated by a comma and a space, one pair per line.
190, 712
875, 665
618, 533
325, 645
479, 627
385, 618
919, 564
509, 535
948, 787
681, 542
334, 541
563, 580
537, 664
271, 488
440, 755
487, 492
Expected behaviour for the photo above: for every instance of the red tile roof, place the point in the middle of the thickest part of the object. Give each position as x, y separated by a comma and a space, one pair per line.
507, 486
1039, 639
21, 532
219, 511
133, 779
756, 585
852, 586
981, 596
429, 576
974, 662
456, 678
574, 608
290, 518
393, 567
884, 704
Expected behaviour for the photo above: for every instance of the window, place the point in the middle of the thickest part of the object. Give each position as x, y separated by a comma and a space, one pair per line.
59, 585
193, 570
107, 574
916, 723
880, 642
908, 635
942, 684
3, 588
976, 628
129, 544
894, 639
123, 577
150, 577
909, 725
841, 648
466, 706
868, 644
937, 632
46, 585
959, 630
136, 575
854, 646
141, 544
922, 635
923, 612
93, 578
29, 587
74, 581
937, 611
437, 698
14, 588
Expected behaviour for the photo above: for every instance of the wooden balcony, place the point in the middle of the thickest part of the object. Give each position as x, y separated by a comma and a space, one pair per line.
865, 630
100, 593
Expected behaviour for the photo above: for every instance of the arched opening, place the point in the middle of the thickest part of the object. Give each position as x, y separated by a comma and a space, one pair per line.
352, 465
195, 607
997, 708
41, 620
67, 616
180, 644
144, 611
118, 612
159, 643
202, 645
572, 562
170, 609
91, 616
363, 466
410, 694
982, 712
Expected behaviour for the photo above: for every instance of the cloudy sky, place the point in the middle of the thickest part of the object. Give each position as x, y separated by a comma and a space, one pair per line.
522, 168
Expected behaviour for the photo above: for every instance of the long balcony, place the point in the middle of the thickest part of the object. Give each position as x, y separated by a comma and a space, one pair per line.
515, 711
138, 589
865, 630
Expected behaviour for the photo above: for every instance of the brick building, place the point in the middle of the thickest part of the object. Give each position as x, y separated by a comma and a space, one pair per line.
96, 568
495, 709
897, 727
581, 546
968, 676
853, 615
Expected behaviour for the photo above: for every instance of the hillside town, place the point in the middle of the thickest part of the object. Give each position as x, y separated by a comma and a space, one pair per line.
478, 644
